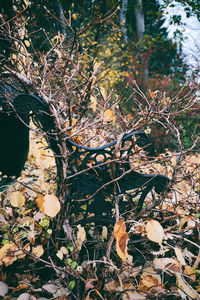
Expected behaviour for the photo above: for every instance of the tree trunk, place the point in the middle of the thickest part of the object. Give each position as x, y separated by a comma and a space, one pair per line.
62, 23
140, 28
122, 17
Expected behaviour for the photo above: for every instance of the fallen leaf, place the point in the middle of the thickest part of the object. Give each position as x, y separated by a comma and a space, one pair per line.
81, 236
21, 286
48, 204
149, 278
189, 271
185, 290
17, 199
121, 237
154, 231
3, 288
167, 264
112, 286
59, 254
180, 256
7, 254
38, 250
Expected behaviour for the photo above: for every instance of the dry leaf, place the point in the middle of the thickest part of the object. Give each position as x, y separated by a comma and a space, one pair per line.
93, 103
103, 93
48, 204
21, 254
121, 237
167, 264
20, 287
180, 256
59, 254
104, 233
154, 231
185, 290
17, 199
3, 289
109, 115
134, 296
81, 236
112, 286
189, 271
149, 278
38, 250
7, 254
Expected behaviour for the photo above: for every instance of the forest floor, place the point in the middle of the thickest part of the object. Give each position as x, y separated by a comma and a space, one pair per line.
155, 255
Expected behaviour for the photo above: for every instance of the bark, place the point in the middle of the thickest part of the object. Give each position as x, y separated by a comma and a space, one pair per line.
62, 23
140, 28
122, 17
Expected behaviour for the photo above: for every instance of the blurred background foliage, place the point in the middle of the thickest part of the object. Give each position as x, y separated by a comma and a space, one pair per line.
132, 45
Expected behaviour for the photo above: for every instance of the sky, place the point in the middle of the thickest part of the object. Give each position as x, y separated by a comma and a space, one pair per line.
191, 32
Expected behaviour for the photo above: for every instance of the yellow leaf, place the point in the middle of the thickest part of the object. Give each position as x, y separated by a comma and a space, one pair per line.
17, 199
109, 115
38, 251
154, 231
48, 204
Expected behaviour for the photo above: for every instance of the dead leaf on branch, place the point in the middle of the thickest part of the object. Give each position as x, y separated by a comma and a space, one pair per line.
108, 116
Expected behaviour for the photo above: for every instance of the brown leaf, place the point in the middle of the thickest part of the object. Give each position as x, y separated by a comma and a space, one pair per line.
149, 278
89, 284
121, 237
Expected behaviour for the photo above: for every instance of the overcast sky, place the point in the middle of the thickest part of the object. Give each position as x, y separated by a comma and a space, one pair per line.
191, 31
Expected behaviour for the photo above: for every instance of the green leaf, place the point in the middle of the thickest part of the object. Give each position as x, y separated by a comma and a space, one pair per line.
68, 261
4, 241
70, 248
72, 284
44, 223
73, 265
